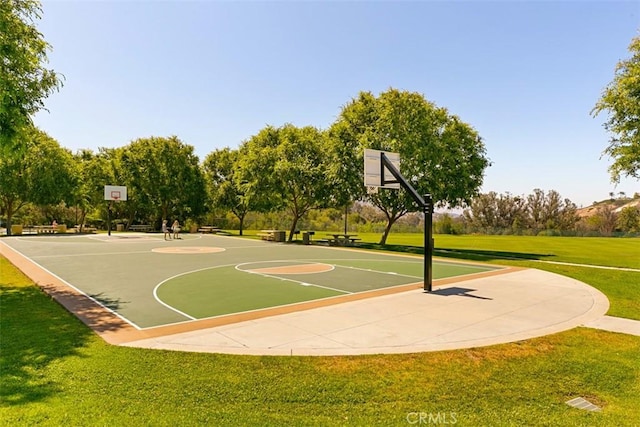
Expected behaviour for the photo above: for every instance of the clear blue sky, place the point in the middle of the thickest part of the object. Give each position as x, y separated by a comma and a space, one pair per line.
525, 74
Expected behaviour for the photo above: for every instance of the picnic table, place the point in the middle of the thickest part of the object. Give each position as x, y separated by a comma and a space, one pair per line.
141, 227
272, 235
209, 229
341, 239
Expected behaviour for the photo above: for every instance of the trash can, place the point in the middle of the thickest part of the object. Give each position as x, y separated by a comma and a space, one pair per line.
120, 227
16, 230
279, 236
309, 235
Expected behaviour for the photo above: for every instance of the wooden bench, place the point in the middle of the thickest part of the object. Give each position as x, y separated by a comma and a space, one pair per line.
268, 235
45, 229
29, 229
141, 227
209, 229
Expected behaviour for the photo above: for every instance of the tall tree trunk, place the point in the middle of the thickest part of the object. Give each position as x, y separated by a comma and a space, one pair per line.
293, 227
9, 210
9, 215
391, 219
130, 218
80, 221
241, 218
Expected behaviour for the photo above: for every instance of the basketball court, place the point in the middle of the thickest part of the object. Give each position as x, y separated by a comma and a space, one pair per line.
242, 296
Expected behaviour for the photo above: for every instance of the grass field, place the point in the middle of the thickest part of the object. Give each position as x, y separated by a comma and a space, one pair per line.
54, 371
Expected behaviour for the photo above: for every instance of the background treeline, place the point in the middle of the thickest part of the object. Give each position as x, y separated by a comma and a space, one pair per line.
292, 178
546, 214
543, 213
285, 172
166, 180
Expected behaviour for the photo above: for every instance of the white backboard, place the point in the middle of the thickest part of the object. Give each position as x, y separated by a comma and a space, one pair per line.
374, 173
115, 192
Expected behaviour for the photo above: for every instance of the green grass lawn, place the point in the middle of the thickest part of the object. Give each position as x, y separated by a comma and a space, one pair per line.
53, 371
613, 252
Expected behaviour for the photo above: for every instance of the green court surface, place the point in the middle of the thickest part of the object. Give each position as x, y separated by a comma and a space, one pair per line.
151, 282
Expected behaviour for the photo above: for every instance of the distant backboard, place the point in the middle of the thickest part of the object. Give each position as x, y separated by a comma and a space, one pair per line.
375, 174
115, 192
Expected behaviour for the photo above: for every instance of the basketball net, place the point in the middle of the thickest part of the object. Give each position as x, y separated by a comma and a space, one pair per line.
372, 189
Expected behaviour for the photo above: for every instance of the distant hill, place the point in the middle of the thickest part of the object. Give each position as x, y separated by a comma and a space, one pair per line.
616, 204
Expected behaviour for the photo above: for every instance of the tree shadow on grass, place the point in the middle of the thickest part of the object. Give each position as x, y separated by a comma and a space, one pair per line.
484, 255
35, 332
467, 254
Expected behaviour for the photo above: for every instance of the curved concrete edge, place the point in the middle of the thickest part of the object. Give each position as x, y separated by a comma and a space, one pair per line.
499, 309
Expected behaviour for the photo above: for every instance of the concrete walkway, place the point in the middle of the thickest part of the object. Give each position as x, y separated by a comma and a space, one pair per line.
504, 308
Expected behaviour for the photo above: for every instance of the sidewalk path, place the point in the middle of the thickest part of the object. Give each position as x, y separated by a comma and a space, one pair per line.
616, 324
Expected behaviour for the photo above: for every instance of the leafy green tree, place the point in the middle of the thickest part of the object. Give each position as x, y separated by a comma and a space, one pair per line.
163, 178
96, 170
604, 220
629, 219
286, 168
446, 224
492, 212
24, 80
621, 99
440, 155
45, 174
550, 212
347, 138
221, 169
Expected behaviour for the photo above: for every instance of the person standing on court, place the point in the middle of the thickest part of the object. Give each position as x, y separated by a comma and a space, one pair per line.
165, 230
176, 229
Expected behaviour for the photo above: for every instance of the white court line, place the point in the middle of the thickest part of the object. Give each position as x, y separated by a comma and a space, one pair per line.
157, 298
89, 255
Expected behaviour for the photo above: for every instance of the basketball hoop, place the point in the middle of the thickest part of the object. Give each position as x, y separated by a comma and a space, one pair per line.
115, 192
